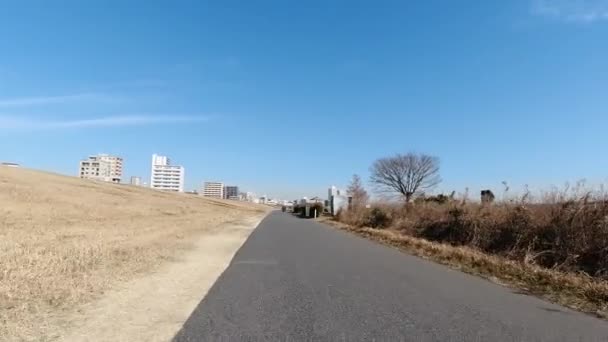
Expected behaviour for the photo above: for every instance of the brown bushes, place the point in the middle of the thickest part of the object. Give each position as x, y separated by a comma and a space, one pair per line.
376, 217
563, 233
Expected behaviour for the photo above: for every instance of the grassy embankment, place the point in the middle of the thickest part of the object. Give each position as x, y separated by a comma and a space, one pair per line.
64, 241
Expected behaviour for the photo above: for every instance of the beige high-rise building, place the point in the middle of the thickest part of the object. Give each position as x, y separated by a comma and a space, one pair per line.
102, 167
213, 189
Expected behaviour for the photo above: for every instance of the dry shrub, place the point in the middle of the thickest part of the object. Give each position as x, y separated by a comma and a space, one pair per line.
354, 218
380, 216
565, 231
444, 224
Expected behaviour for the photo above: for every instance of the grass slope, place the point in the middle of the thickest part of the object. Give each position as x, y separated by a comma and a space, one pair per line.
64, 241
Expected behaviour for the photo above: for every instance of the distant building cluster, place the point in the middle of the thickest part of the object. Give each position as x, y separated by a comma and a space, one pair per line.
336, 200
164, 176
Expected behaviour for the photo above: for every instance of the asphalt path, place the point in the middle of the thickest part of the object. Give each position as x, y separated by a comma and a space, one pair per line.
297, 280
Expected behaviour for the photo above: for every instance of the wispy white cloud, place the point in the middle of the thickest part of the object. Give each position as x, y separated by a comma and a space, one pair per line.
20, 123
60, 99
585, 11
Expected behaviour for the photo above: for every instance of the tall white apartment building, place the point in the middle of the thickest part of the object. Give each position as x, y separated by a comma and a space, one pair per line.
213, 189
102, 167
165, 176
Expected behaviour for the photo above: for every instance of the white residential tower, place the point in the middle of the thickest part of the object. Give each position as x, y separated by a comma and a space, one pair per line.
165, 176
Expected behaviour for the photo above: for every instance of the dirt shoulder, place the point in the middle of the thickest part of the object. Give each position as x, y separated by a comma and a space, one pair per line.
154, 307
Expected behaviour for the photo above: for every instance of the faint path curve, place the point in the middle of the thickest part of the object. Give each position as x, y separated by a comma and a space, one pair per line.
297, 280
154, 307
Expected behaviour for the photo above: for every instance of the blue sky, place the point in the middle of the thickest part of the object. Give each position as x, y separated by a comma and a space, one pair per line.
289, 97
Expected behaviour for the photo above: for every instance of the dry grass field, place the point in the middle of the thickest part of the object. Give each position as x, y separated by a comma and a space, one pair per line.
64, 241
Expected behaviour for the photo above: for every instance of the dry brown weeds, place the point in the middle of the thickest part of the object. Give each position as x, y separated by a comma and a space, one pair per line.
555, 247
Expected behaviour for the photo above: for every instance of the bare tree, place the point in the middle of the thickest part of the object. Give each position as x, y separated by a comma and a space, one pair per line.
357, 192
406, 174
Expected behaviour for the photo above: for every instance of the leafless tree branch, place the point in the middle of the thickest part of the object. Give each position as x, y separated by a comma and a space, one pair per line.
406, 174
